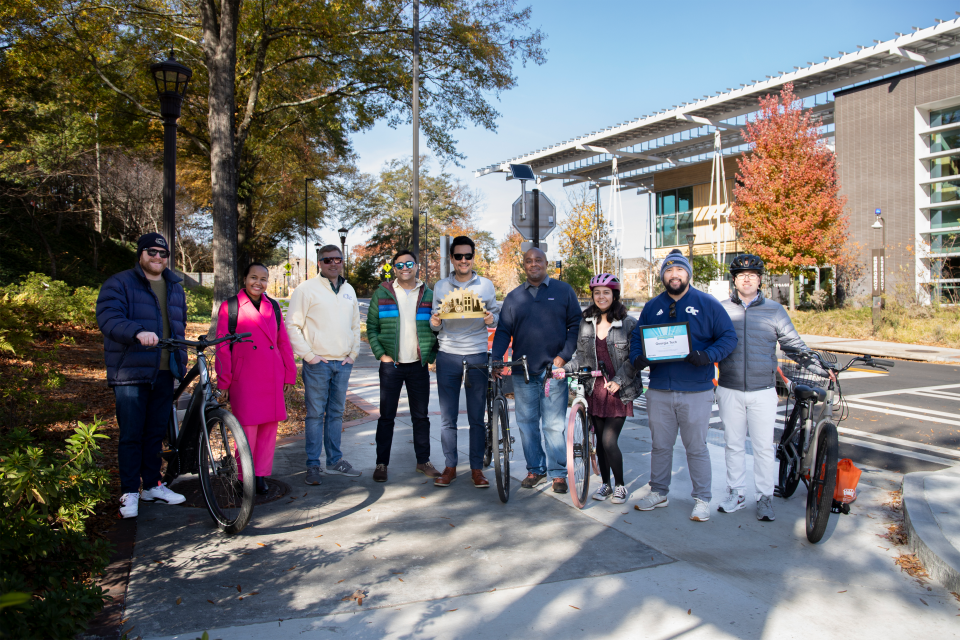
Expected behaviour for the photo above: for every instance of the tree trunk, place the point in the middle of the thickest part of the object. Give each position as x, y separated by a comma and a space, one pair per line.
244, 229
220, 55
793, 292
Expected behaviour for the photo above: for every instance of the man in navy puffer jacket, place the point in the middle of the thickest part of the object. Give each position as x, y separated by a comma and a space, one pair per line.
680, 396
135, 309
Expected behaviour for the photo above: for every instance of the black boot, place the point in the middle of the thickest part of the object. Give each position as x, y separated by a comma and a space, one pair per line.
262, 487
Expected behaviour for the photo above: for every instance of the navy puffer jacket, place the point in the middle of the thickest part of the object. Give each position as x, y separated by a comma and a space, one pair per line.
125, 307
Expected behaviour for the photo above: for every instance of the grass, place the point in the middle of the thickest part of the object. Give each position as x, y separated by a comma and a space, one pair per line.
908, 325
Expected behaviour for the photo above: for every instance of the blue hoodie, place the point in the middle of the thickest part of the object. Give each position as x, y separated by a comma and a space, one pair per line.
711, 331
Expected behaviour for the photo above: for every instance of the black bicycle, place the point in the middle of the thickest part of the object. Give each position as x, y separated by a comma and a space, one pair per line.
809, 447
498, 419
210, 442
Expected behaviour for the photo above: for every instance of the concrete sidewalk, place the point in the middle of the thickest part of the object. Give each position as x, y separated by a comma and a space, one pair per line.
457, 563
883, 349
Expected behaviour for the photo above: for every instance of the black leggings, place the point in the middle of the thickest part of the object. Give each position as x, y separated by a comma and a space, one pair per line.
608, 451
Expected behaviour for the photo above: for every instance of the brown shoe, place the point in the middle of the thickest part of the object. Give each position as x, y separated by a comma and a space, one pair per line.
428, 470
559, 485
380, 473
532, 480
449, 475
479, 480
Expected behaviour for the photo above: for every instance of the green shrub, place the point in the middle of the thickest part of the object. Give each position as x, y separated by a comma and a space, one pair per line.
41, 301
46, 496
199, 304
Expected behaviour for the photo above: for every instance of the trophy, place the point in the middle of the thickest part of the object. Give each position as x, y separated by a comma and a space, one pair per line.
461, 303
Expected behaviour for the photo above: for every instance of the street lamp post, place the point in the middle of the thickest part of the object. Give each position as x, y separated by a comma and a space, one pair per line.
316, 245
171, 79
879, 257
342, 232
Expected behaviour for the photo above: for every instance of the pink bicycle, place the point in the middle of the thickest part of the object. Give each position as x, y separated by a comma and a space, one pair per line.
581, 439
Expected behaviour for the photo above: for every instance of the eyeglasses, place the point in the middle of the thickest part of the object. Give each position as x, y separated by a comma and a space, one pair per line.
673, 309
409, 264
332, 260
463, 256
153, 253
748, 276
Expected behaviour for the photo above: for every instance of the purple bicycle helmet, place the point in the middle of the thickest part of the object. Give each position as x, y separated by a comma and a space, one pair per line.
605, 280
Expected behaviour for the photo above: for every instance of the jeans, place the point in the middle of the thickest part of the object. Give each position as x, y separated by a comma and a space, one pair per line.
392, 378
532, 409
752, 412
689, 413
449, 380
325, 394
143, 411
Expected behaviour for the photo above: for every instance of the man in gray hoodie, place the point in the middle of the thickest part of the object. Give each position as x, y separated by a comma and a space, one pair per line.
463, 339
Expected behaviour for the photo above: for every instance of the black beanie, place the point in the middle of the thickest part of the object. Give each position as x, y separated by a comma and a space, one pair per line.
148, 240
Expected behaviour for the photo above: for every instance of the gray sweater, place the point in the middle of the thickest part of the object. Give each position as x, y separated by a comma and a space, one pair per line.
467, 335
753, 364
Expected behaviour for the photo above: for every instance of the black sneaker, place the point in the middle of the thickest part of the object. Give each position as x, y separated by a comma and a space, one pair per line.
532, 480
559, 485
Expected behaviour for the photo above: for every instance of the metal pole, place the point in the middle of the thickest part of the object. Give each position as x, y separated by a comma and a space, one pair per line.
416, 123
306, 245
536, 218
426, 247
170, 187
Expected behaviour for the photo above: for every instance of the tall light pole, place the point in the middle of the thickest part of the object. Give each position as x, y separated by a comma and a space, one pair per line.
416, 123
342, 232
171, 79
879, 257
306, 244
316, 245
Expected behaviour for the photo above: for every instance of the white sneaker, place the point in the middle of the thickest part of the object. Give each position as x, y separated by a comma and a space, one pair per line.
603, 492
701, 510
733, 502
651, 501
129, 505
161, 493
620, 495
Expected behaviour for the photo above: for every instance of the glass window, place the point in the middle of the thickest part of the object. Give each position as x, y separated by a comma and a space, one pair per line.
941, 117
944, 218
948, 166
669, 234
945, 243
685, 199
674, 216
944, 141
684, 226
945, 191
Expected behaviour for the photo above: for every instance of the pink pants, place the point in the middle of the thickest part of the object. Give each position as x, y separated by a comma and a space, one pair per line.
263, 440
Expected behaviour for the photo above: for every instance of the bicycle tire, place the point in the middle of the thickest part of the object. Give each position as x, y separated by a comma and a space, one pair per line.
823, 480
501, 462
789, 474
593, 453
488, 444
578, 470
229, 500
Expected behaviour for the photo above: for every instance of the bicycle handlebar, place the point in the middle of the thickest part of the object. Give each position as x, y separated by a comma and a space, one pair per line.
496, 364
203, 343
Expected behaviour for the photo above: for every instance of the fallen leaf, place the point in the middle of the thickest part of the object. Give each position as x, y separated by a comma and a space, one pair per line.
924, 601
688, 611
179, 600
628, 522
339, 581
468, 547
239, 590
424, 497
368, 509
261, 544
693, 589
398, 573
573, 607
159, 561
451, 524
125, 621
292, 568
337, 543
357, 595
211, 602
623, 513
400, 579
305, 495
637, 507
453, 609
252, 593
319, 536
844, 591
127, 631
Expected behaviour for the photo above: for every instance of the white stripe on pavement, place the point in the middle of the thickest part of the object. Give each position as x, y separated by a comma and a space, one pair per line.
898, 441
909, 408
947, 462
874, 394
918, 416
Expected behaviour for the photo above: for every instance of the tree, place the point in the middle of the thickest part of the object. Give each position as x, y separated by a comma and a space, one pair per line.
787, 209
506, 271
579, 232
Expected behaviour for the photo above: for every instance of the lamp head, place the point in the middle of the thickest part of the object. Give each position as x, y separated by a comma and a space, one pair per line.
171, 79
342, 231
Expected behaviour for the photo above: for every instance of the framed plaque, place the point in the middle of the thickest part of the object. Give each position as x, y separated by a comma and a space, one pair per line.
461, 303
666, 342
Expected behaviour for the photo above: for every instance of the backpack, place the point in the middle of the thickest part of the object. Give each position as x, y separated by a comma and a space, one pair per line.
233, 310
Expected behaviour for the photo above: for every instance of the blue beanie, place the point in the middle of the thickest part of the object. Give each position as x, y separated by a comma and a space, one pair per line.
149, 240
675, 259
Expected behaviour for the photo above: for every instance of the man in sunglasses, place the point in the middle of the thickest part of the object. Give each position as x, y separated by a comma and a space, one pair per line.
398, 328
323, 323
463, 339
680, 395
135, 309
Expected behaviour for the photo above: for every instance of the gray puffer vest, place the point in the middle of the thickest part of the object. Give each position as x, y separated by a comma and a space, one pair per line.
753, 364
618, 345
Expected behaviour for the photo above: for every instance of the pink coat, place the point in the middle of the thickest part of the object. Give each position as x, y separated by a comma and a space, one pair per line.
255, 372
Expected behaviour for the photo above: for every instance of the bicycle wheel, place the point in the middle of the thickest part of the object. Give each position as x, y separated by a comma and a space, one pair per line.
501, 462
593, 452
489, 434
578, 442
823, 480
229, 500
789, 455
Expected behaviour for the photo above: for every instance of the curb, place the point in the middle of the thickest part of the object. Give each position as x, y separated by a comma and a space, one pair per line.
924, 537
921, 353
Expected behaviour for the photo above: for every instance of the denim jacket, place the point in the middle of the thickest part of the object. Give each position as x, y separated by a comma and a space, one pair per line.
618, 345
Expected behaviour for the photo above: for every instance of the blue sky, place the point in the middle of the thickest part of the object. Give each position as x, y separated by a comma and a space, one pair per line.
612, 61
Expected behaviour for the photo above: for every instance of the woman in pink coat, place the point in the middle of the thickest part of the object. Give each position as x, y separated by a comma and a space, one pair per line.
253, 375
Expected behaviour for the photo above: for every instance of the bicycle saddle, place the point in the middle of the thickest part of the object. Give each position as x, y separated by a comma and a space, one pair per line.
803, 392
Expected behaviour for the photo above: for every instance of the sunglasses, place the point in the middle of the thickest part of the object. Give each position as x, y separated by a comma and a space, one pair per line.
153, 253
673, 309
332, 260
409, 264
463, 256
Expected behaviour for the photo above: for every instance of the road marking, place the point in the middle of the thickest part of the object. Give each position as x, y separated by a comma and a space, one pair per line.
899, 441
942, 395
905, 414
874, 394
888, 405
947, 462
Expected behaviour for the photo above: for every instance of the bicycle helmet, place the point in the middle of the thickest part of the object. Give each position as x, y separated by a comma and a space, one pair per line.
746, 262
605, 280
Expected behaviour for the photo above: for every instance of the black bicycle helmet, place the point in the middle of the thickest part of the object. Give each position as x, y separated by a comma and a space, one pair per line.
746, 262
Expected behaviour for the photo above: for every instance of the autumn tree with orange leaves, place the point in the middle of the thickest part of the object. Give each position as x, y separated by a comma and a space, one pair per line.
787, 207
